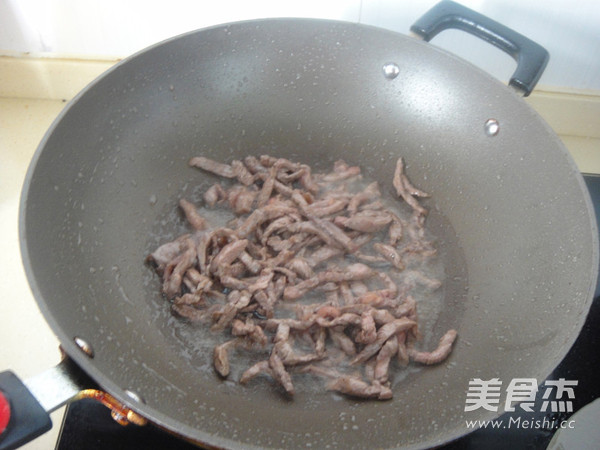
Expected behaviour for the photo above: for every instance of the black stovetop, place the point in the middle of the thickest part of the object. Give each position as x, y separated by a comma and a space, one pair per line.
88, 424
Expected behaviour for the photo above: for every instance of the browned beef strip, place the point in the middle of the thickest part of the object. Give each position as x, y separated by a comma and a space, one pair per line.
371, 192
192, 215
249, 329
221, 357
241, 199
367, 222
384, 357
255, 370
214, 194
165, 253
383, 334
280, 374
400, 183
341, 171
390, 254
356, 387
228, 254
341, 340
223, 170
172, 282
242, 173
439, 354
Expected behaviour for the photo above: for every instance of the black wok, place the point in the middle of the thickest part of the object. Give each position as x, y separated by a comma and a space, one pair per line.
515, 225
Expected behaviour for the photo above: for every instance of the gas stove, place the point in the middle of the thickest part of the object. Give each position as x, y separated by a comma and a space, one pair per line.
87, 424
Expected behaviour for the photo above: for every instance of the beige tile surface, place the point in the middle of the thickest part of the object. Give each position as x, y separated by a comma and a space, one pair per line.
28, 346
47, 78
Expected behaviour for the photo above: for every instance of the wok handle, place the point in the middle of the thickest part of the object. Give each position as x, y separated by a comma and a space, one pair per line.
531, 57
22, 415
25, 405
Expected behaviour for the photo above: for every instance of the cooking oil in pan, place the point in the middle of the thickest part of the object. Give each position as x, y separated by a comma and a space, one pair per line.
195, 342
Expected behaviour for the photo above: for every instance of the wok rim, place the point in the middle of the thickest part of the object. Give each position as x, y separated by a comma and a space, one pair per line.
166, 421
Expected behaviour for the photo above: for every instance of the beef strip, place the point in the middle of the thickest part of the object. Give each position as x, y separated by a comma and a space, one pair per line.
383, 359
341, 340
167, 252
368, 331
356, 387
176, 269
371, 192
439, 354
367, 222
249, 329
323, 254
327, 207
221, 357
255, 370
395, 231
267, 188
192, 215
214, 194
356, 271
254, 266
237, 300
285, 351
253, 165
242, 173
401, 184
383, 334
301, 267
390, 254
241, 199
280, 374
223, 170
193, 314
403, 357
262, 282
341, 171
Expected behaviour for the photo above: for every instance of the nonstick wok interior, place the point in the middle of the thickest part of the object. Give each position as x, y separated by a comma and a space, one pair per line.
515, 226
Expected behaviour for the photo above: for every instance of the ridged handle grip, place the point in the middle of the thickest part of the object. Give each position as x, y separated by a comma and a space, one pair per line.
26, 418
531, 57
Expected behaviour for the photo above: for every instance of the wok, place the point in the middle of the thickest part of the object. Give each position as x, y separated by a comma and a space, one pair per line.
515, 225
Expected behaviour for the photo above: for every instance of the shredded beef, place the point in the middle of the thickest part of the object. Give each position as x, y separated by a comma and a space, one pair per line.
300, 237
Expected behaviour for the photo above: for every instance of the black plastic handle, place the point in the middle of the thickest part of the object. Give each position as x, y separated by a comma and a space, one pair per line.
27, 418
531, 57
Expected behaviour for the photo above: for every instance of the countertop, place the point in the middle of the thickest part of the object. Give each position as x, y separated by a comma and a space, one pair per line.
28, 345
33, 91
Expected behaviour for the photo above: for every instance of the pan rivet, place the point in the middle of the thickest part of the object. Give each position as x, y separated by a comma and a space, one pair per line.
391, 70
84, 346
134, 396
491, 127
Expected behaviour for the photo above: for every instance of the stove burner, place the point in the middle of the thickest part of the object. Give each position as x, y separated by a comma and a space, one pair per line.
88, 424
